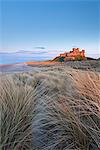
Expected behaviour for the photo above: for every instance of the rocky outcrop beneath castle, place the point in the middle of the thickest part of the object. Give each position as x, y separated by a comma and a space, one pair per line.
75, 54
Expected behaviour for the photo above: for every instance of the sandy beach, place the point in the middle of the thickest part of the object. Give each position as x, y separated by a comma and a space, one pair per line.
19, 67
93, 65
26, 66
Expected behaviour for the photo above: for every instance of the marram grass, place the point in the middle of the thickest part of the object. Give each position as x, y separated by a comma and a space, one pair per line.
18, 104
55, 109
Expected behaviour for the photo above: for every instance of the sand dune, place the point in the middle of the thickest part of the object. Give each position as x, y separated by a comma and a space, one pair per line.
51, 108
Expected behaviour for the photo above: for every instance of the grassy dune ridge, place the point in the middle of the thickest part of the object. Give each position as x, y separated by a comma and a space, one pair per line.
54, 108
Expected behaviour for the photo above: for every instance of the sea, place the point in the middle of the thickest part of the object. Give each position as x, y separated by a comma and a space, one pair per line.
19, 57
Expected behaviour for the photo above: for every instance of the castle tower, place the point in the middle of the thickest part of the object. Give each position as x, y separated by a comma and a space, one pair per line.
77, 50
73, 49
83, 53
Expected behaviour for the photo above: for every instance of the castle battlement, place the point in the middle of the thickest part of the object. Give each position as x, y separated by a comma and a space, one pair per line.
74, 54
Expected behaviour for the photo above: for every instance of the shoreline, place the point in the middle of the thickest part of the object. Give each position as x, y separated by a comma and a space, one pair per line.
93, 65
25, 66
7, 65
33, 63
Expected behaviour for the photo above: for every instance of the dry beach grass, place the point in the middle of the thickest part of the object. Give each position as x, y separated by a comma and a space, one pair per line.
54, 108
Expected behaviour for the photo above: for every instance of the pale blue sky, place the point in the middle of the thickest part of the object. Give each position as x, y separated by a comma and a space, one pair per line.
55, 25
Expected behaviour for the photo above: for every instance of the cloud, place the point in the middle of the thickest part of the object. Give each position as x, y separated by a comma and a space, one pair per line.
38, 52
32, 52
39, 47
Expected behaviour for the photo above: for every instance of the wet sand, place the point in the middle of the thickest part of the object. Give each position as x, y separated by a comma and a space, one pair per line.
14, 67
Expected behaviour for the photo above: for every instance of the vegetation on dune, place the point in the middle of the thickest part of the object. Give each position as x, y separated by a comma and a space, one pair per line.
75, 120
80, 58
52, 109
18, 103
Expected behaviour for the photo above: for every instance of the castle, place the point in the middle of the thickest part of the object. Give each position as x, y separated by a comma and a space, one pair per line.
75, 54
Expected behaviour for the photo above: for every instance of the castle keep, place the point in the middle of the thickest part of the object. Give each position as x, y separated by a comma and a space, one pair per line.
75, 54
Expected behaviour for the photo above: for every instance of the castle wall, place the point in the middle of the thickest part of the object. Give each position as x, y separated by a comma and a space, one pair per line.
62, 55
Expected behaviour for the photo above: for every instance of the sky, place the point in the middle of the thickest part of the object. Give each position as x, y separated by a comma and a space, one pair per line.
54, 26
